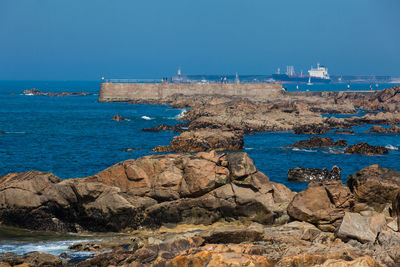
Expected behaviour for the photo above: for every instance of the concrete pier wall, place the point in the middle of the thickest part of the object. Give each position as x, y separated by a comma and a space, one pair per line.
117, 92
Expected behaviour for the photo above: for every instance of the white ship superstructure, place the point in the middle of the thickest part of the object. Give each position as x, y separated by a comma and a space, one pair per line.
320, 72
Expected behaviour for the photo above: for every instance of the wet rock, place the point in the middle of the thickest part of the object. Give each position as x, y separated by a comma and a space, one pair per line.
319, 142
366, 149
204, 140
130, 149
322, 204
118, 118
344, 132
311, 129
162, 127
380, 129
374, 184
387, 118
300, 174
363, 229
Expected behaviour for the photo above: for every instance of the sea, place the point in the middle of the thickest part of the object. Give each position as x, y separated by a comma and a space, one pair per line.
75, 136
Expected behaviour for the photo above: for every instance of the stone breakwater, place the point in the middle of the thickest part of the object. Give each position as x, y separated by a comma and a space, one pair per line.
114, 92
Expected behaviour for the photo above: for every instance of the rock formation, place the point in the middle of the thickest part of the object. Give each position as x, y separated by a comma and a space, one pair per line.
374, 184
118, 118
319, 142
380, 129
150, 191
34, 91
366, 149
311, 174
204, 140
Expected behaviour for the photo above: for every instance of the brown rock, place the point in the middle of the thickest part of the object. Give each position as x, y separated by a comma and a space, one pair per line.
311, 129
118, 118
364, 229
322, 204
366, 149
380, 129
374, 184
204, 140
344, 132
319, 142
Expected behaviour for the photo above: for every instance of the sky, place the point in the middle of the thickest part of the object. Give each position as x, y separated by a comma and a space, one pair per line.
88, 39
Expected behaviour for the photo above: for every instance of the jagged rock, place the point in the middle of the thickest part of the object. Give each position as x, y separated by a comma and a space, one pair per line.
204, 140
380, 129
344, 132
366, 149
30, 259
118, 118
161, 127
374, 184
311, 129
300, 174
319, 142
34, 91
364, 229
322, 204
149, 191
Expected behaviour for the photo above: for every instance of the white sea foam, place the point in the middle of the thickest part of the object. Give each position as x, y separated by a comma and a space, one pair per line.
391, 147
303, 149
180, 115
29, 94
54, 247
146, 118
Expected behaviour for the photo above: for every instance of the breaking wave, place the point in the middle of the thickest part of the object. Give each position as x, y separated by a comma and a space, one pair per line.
146, 118
391, 147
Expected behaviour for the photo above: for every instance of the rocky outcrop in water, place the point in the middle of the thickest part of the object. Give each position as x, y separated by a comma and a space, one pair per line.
118, 118
380, 129
318, 141
150, 191
204, 140
311, 129
300, 174
38, 92
344, 132
375, 184
366, 149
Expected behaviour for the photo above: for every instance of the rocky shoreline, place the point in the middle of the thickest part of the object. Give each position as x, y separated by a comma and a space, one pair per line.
218, 209
193, 209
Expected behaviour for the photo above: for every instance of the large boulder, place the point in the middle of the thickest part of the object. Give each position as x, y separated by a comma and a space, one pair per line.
311, 129
204, 140
149, 191
300, 174
319, 142
366, 149
374, 184
322, 204
362, 228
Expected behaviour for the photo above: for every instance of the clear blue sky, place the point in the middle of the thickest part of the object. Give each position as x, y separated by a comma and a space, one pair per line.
87, 39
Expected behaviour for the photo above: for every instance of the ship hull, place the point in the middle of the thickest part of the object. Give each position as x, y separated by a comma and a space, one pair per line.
284, 78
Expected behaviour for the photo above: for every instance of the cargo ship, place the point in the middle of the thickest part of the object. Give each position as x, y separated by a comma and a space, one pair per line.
315, 75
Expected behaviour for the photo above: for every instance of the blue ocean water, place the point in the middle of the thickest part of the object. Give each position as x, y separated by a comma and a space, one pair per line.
74, 136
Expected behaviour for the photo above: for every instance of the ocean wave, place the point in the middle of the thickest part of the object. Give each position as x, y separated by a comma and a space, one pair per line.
15, 132
303, 149
335, 150
146, 118
391, 147
53, 247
